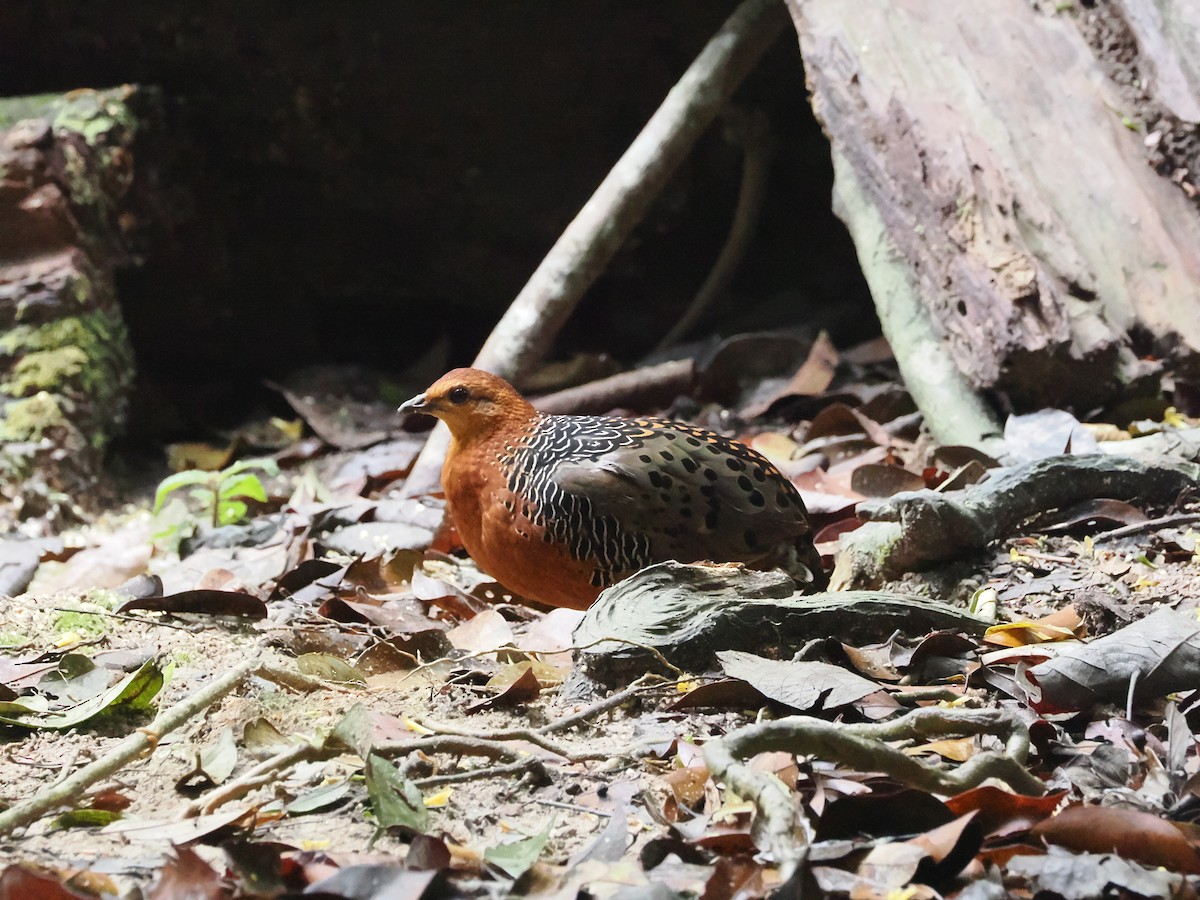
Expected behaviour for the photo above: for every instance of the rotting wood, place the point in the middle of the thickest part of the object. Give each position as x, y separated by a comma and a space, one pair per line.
995, 153
68, 165
527, 329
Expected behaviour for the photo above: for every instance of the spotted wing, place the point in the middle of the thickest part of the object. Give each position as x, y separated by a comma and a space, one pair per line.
632, 492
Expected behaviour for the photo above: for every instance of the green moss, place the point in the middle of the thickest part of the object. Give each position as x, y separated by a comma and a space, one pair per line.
92, 114
13, 639
29, 418
85, 357
182, 657
80, 623
35, 106
44, 370
103, 599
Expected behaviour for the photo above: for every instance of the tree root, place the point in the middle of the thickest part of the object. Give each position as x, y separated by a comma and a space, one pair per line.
915, 529
780, 828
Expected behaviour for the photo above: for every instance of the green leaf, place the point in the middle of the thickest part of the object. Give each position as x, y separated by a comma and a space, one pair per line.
353, 731
135, 691
516, 857
318, 798
265, 464
230, 512
204, 496
188, 478
329, 668
245, 486
396, 801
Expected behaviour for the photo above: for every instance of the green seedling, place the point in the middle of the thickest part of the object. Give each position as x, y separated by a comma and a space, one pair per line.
221, 495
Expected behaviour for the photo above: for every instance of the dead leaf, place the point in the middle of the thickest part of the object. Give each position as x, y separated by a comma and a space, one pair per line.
1062, 625
1161, 650
1002, 813
20, 883
486, 632
875, 480
956, 749
1094, 515
725, 693
1130, 833
800, 685
185, 874
202, 602
525, 689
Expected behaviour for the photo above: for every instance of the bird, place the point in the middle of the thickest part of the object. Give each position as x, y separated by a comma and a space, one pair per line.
557, 508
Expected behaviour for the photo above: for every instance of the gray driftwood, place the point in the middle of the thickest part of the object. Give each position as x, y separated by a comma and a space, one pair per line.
686, 613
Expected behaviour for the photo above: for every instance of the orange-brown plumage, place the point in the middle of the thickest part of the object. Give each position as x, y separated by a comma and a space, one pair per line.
557, 508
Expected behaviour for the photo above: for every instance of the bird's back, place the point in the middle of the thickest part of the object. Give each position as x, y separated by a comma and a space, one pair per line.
619, 494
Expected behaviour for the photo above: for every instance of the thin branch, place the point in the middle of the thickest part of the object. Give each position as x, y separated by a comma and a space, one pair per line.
752, 131
135, 745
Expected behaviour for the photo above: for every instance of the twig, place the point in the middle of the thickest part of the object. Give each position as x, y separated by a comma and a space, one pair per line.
1148, 525
574, 807
126, 751
649, 386
254, 778
526, 331
290, 678
653, 651
863, 747
530, 735
520, 767
752, 131
603, 705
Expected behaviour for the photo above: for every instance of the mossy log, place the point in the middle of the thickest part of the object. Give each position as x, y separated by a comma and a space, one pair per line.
66, 177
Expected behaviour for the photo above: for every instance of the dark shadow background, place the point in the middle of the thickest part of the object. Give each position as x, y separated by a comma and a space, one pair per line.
354, 182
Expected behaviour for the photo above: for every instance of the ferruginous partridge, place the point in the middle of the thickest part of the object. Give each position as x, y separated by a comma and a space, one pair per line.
557, 508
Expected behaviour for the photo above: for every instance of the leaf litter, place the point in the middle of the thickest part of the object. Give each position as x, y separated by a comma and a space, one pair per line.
413, 729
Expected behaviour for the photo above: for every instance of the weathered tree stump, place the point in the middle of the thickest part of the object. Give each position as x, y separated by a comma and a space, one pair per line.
998, 186
66, 170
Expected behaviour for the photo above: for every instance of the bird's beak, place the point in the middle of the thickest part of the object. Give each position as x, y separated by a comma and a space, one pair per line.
416, 405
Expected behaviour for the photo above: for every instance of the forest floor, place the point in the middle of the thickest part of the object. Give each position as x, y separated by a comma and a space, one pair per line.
425, 737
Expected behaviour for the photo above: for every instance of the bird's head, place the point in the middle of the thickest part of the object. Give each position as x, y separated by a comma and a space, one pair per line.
472, 403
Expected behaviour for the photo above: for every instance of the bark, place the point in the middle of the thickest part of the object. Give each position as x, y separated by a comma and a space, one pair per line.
987, 168
66, 169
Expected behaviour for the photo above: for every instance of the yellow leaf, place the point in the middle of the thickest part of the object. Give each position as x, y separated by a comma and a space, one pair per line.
956, 749
1018, 634
1174, 418
415, 726
1016, 557
440, 799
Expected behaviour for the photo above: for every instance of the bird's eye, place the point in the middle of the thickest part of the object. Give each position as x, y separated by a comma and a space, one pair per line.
459, 395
